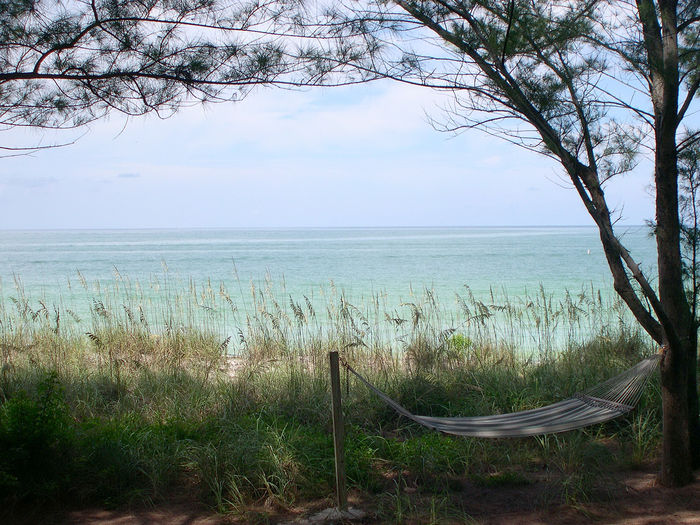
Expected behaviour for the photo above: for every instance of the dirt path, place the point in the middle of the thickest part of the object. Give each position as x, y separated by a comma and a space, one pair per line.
635, 500
638, 500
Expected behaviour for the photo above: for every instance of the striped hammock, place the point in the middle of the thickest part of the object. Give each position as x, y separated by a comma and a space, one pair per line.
601, 403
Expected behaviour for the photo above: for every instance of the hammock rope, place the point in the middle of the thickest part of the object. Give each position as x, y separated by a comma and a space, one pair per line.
603, 402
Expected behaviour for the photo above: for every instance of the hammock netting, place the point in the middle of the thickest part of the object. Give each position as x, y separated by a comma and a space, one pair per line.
601, 403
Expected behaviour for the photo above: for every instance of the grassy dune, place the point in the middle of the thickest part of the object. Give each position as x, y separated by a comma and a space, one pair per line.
142, 402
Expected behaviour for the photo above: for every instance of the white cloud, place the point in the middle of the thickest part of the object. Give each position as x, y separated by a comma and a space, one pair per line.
363, 155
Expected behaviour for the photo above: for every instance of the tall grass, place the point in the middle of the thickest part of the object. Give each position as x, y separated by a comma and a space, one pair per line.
169, 389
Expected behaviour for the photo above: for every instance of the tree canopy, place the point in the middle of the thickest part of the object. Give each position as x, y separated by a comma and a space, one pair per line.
66, 63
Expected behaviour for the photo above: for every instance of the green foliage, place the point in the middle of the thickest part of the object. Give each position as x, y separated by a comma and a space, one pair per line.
461, 343
508, 478
37, 436
65, 64
430, 455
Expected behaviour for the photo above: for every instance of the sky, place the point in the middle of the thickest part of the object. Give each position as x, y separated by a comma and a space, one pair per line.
356, 156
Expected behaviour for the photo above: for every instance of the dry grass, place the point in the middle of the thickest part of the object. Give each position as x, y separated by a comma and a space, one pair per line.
150, 394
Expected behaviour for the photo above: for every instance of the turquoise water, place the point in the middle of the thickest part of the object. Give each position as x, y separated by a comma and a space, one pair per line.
378, 270
357, 261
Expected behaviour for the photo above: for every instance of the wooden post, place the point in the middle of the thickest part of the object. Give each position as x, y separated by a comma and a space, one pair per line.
338, 433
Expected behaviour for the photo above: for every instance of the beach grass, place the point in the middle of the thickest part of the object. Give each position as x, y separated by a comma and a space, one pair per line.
144, 401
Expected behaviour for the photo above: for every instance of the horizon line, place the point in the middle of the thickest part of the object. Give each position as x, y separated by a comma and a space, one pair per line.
240, 228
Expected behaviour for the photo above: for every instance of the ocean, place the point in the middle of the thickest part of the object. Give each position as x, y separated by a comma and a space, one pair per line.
76, 268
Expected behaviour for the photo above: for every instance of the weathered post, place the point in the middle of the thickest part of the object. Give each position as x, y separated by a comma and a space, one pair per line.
338, 433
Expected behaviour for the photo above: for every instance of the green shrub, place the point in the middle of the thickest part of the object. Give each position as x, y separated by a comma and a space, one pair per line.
37, 438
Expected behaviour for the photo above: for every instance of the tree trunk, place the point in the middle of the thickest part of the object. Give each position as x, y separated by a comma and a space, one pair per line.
662, 46
676, 462
693, 402
676, 468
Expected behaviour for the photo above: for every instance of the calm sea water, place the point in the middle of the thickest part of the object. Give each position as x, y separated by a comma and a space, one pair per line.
395, 262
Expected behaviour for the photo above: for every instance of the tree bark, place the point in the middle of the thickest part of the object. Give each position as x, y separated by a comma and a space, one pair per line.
693, 401
676, 469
